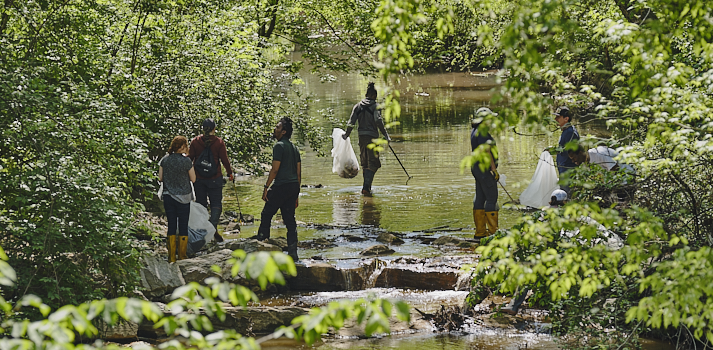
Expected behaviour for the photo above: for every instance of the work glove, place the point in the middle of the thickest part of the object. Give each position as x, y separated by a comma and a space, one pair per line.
495, 174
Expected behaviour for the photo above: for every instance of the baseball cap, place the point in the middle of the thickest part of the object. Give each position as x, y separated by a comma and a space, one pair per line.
483, 111
564, 112
208, 124
559, 195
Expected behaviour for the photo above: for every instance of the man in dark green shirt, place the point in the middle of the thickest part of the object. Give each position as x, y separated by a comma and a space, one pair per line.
284, 194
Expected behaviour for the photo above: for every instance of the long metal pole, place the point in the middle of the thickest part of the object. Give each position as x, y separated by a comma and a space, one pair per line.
402, 165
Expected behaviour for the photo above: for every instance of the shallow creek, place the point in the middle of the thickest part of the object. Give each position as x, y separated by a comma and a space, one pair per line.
431, 140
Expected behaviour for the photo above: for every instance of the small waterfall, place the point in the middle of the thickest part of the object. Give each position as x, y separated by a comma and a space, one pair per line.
464, 280
348, 280
376, 267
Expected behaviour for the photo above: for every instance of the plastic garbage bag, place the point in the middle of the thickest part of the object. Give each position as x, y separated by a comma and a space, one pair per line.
543, 183
196, 241
200, 230
345, 161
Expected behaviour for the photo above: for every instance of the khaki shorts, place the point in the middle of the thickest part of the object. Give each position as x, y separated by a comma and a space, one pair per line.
369, 158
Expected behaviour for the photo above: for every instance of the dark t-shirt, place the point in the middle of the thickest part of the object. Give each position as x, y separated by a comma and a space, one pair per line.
477, 139
563, 161
176, 180
288, 155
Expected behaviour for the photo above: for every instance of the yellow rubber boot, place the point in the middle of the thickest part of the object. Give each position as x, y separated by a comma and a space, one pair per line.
492, 219
480, 223
171, 244
182, 247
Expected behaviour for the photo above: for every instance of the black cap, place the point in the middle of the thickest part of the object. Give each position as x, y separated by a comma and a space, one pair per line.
564, 112
208, 125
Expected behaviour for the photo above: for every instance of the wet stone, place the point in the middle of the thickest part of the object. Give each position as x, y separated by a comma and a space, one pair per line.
317, 277
425, 279
389, 238
318, 243
352, 238
279, 242
447, 240
378, 249
248, 245
232, 226
257, 319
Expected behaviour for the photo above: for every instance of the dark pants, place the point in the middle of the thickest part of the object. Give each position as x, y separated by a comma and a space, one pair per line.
210, 190
282, 197
565, 188
369, 158
486, 189
177, 215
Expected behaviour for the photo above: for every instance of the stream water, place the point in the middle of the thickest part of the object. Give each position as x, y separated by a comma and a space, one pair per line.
431, 139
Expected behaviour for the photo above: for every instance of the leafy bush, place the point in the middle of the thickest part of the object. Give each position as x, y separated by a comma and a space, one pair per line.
187, 314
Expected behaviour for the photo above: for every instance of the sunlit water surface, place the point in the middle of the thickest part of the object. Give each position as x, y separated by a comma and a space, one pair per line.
431, 139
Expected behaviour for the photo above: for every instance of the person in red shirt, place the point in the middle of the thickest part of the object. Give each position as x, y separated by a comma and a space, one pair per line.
211, 189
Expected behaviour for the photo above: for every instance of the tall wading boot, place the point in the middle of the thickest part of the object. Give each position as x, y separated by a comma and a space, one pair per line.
292, 245
492, 219
480, 223
182, 247
292, 252
171, 243
368, 180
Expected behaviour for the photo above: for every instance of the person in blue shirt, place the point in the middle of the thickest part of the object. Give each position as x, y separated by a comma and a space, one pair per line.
485, 202
563, 117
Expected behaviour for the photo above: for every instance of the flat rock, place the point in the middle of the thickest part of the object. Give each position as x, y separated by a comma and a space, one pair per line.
279, 242
352, 238
158, 276
232, 225
389, 238
447, 240
317, 277
199, 268
258, 319
378, 249
124, 331
422, 278
248, 245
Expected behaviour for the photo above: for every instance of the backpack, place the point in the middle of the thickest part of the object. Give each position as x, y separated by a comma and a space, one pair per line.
205, 164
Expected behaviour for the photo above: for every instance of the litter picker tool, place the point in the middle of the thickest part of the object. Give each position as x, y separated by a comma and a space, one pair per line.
506, 192
402, 165
240, 219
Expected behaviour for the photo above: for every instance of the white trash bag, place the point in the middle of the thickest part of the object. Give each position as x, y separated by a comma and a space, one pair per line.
345, 161
199, 221
543, 183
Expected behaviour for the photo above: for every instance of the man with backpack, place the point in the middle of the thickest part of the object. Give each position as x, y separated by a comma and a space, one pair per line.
370, 123
207, 151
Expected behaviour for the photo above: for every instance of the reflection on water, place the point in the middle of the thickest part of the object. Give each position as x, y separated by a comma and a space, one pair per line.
345, 210
370, 213
431, 139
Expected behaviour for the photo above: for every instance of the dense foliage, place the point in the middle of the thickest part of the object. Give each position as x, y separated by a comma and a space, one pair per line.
646, 68
91, 93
